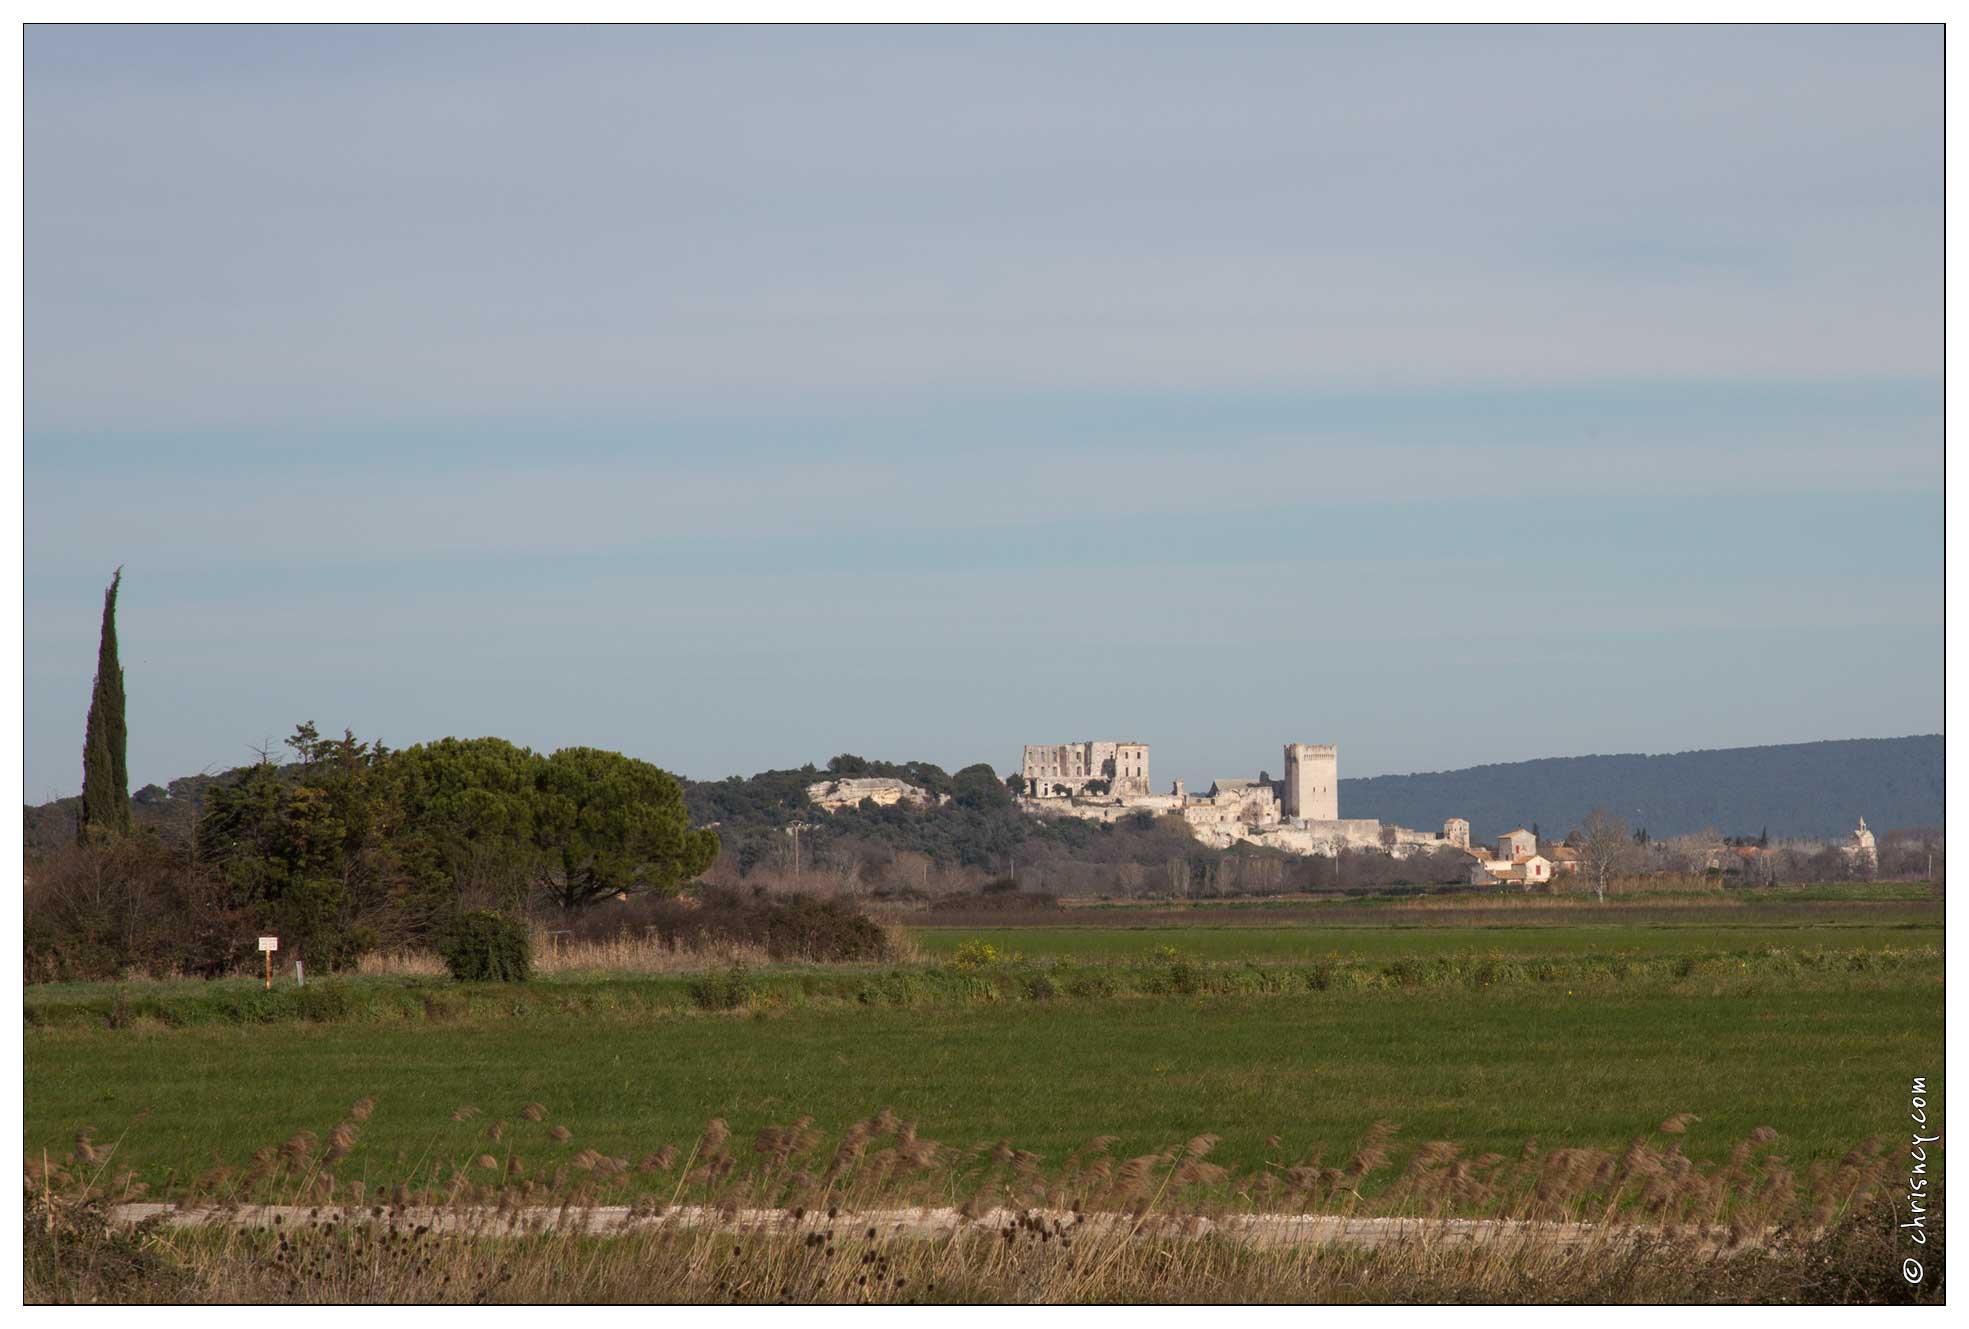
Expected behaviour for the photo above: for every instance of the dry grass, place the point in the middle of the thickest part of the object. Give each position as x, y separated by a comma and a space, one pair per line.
397, 1261
394, 1255
1125, 1232
521, 1157
557, 952
400, 964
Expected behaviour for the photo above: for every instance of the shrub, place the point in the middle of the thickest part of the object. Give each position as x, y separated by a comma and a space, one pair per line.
481, 946
75, 1253
1093, 983
807, 927
786, 927
136, 902
976, 954
1406, 971
726, 990
1497, 969
989, 901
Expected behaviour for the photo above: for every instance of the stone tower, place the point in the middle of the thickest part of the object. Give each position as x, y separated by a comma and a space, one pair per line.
1312, 782
1860, 848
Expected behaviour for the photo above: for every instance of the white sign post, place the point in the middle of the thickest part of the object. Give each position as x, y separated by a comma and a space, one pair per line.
270, 945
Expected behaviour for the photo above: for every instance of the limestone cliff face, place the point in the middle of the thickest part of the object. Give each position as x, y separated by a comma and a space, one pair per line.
832, 795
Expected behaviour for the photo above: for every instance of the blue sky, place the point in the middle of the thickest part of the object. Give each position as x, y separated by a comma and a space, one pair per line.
737, 397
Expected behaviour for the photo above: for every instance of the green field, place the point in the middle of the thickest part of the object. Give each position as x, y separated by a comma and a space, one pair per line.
1820, 1053
1577, 1027
1825, 1068
1313, 941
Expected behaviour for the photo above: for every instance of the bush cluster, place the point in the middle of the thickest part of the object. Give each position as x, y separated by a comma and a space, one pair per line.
723, 989
138, 902
785, 927
995, 901
356, 848
482, 946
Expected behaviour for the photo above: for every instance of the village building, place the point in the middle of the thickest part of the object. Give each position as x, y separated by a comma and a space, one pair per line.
1514, 845
1531, 870
1517, 862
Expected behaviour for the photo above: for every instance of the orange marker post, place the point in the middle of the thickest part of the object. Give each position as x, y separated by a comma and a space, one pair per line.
268, 945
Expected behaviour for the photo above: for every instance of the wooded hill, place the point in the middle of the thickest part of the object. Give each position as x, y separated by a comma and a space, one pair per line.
1802, 790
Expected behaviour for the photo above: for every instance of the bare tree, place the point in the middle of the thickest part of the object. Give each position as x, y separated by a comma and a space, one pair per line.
1689, 855
1605, 849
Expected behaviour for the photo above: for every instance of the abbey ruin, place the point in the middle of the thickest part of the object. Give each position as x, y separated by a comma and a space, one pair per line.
1300, 813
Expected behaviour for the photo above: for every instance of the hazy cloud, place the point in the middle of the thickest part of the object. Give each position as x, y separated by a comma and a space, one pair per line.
738, 395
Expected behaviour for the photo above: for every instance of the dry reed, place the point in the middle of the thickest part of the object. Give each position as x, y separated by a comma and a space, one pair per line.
556, 952
789, 1218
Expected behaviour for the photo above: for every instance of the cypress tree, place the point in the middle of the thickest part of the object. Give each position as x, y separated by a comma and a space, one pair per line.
105, 766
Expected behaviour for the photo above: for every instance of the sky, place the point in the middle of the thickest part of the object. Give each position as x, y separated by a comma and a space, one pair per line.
737, 397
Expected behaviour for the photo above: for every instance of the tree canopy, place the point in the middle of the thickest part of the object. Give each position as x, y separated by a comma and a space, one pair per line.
609, 824
356, 843
105, 741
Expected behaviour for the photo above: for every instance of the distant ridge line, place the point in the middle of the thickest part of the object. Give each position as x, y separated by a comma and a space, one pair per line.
1814, 790
1681, 752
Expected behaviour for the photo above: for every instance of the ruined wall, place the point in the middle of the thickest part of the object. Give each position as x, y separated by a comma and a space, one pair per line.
1326, 837
1131, 761
1056, 770
1103, 809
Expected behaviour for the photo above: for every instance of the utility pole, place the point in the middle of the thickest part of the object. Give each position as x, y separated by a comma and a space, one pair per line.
793, 833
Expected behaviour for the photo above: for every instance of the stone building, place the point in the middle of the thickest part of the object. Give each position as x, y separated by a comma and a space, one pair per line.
1533, 870
1231, 810
1860, 848
1298, 815
1064, 770
1515, 845
1312, 782
1518, 861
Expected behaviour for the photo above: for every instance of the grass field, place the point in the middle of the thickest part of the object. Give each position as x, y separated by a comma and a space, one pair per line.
1578, 899
1856, 915
1825, 1064
1314, 941
1805, 1016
